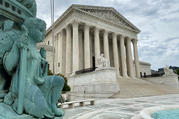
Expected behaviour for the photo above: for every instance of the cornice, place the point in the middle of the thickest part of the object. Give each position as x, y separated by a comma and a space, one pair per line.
78, 9
107, 21
144, 63
106, 8
130, 24
60, 19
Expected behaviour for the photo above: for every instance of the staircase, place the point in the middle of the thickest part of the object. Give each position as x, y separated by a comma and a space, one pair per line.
131, 88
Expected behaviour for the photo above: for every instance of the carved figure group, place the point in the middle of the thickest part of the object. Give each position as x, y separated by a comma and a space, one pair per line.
24, 83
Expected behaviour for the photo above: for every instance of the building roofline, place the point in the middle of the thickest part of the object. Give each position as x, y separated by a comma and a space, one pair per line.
78, 7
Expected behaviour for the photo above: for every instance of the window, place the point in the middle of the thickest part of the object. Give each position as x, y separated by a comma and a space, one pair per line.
19, 11
59, 64
13, 8
6, 4
48, 42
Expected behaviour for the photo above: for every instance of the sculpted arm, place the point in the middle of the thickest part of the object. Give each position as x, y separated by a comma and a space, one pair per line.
45, 70
11, 59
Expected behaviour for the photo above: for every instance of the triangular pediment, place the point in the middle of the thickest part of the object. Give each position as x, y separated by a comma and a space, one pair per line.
107, 13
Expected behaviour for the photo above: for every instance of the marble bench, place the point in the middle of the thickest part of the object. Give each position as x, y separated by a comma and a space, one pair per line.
80, 102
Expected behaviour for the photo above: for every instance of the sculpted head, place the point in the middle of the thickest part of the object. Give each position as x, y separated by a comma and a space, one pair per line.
36, 29
102, 55
43, 52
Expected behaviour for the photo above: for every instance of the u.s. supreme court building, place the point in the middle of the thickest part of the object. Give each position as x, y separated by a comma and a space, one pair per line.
82, 33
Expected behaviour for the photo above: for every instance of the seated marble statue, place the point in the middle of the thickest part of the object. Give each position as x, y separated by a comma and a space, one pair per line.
102, 62
168, 71
37, 92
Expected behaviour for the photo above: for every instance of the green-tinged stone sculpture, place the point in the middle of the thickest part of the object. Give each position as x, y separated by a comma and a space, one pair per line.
25, 88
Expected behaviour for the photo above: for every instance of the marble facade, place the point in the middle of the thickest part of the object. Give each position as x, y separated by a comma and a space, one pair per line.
82, 33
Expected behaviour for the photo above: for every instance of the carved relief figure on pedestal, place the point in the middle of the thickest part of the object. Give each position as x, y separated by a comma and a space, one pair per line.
25, 68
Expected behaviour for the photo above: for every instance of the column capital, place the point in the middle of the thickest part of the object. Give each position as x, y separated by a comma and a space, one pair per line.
106, 31
114, 34
86, 26
135, 41
128, 38
75, 22
96, 29
67, 27
122, 36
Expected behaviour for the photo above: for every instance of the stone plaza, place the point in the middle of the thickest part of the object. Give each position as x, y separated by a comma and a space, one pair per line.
119, 108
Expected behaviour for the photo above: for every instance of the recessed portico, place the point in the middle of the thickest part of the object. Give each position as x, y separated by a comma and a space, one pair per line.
83, 34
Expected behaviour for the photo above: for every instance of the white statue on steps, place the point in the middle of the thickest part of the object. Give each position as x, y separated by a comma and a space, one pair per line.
168, 72
102, 62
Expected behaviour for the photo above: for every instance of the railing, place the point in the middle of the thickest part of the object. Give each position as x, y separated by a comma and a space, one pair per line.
72, 103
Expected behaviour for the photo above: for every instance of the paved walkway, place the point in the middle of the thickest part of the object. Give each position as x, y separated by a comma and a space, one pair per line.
119, 108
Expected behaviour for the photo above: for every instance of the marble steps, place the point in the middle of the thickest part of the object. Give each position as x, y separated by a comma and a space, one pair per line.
131, 88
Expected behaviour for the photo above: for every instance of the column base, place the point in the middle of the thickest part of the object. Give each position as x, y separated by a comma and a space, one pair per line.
125, 76
67, 74
132, 77
72, 74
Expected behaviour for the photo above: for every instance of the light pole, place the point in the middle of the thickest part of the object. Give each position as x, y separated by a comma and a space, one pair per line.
52, 27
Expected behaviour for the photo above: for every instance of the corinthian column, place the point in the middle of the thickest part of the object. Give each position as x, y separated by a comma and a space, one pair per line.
136, 58
97, 45
123, 56
106, 46
63, 52
87, 46
75, 47
68, 51
129, 59
60, 51
115, 51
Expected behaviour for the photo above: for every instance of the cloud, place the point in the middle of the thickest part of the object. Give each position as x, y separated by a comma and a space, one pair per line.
157, 20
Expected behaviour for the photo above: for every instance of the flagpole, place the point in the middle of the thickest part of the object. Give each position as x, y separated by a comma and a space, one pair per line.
52, 26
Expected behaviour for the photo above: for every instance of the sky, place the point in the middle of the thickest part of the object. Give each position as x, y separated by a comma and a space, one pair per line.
158, 21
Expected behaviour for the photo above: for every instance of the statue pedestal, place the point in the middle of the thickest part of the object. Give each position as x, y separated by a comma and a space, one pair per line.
101, 83
6, 112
